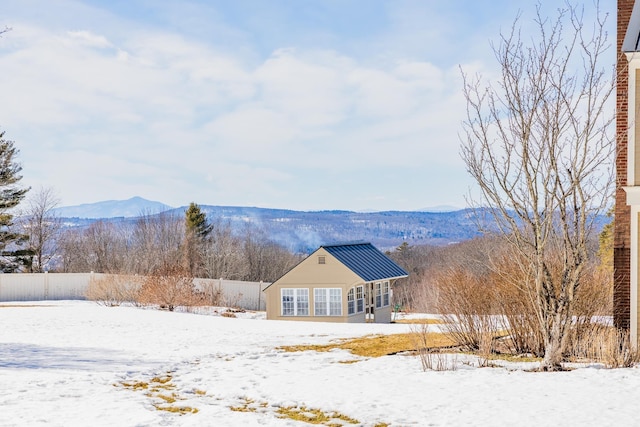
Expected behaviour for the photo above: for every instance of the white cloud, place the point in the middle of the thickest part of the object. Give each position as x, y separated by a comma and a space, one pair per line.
143, 109
255, 134
311, 92
89, 39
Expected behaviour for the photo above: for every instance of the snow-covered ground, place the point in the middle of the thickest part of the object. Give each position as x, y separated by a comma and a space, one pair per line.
66, 363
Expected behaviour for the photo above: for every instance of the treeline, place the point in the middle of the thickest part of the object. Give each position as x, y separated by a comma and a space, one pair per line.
433, 268
165, 242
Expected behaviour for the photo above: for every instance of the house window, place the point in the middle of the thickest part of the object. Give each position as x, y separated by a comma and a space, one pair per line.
327, 302
382, 294
351, 301
385, 294
360, 299
322, 259
295, 302
355, 300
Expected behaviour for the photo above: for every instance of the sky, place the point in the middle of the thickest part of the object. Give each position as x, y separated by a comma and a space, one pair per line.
75, 363
305, 105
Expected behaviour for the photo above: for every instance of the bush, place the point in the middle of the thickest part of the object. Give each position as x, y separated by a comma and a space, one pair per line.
515, 295
480, 304
211, 292
113, 289
467, 306
608, 345
428, 345
169, 288
591, 325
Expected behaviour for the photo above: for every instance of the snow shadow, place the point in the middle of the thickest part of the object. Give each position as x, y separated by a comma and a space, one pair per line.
31, 356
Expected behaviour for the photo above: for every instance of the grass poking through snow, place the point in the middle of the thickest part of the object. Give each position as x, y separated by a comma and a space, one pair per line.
315, 416
161, 390
375, 345
420, 321
298, 413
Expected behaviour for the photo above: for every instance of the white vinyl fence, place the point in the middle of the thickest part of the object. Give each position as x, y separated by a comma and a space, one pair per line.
73, 286
246, 295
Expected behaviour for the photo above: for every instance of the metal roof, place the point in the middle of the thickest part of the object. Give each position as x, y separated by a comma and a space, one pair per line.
366, 261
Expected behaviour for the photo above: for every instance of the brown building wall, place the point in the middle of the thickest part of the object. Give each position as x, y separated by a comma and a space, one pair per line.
621, 244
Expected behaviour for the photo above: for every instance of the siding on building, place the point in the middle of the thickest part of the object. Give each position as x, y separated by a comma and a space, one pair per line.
345, 267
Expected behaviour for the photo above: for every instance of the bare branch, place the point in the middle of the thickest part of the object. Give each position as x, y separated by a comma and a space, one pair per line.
539, 145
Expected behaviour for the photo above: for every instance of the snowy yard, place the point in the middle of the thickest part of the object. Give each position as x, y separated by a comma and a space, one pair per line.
79, 364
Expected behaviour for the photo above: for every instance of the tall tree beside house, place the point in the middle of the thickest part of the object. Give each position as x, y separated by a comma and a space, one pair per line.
11, 194
197, 228
539, 145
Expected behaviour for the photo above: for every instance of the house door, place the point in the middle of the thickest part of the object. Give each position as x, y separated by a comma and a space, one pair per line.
370, 303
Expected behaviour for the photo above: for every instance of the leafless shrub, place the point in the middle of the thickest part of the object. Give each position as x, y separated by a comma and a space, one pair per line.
485, 349
431, 358
607, 345
214, 295
212, 292
479, 304
113, 290
170, 287
592, 310
467, 307
621, 353
515, 294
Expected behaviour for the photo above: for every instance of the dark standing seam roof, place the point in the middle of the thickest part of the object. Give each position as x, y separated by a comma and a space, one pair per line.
366, 261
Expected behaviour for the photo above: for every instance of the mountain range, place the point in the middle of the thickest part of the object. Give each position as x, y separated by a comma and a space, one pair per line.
299, 231
303, 231
130, 208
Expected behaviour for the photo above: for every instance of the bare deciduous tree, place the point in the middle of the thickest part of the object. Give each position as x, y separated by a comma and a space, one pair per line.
72, 249
223, 255
41, 226
539, 145
265, 260
156, 243
105, 246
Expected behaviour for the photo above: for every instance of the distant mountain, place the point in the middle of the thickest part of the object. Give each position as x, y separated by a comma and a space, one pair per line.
304, 231
440, 208
130, 208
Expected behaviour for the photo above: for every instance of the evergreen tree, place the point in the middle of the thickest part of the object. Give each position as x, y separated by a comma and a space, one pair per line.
196, 221
11, 194
197, 229
605, 249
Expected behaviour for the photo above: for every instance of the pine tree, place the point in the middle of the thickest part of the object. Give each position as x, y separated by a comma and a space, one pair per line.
11, 194
196, 221
605, 249
197, 229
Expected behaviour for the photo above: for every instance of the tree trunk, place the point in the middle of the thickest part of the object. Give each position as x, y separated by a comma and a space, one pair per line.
554, 347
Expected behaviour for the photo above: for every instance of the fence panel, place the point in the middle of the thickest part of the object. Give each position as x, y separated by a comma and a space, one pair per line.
73, 286
236, 293
22, 287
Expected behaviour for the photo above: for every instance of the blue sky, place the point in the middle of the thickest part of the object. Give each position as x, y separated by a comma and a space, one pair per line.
298, 104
